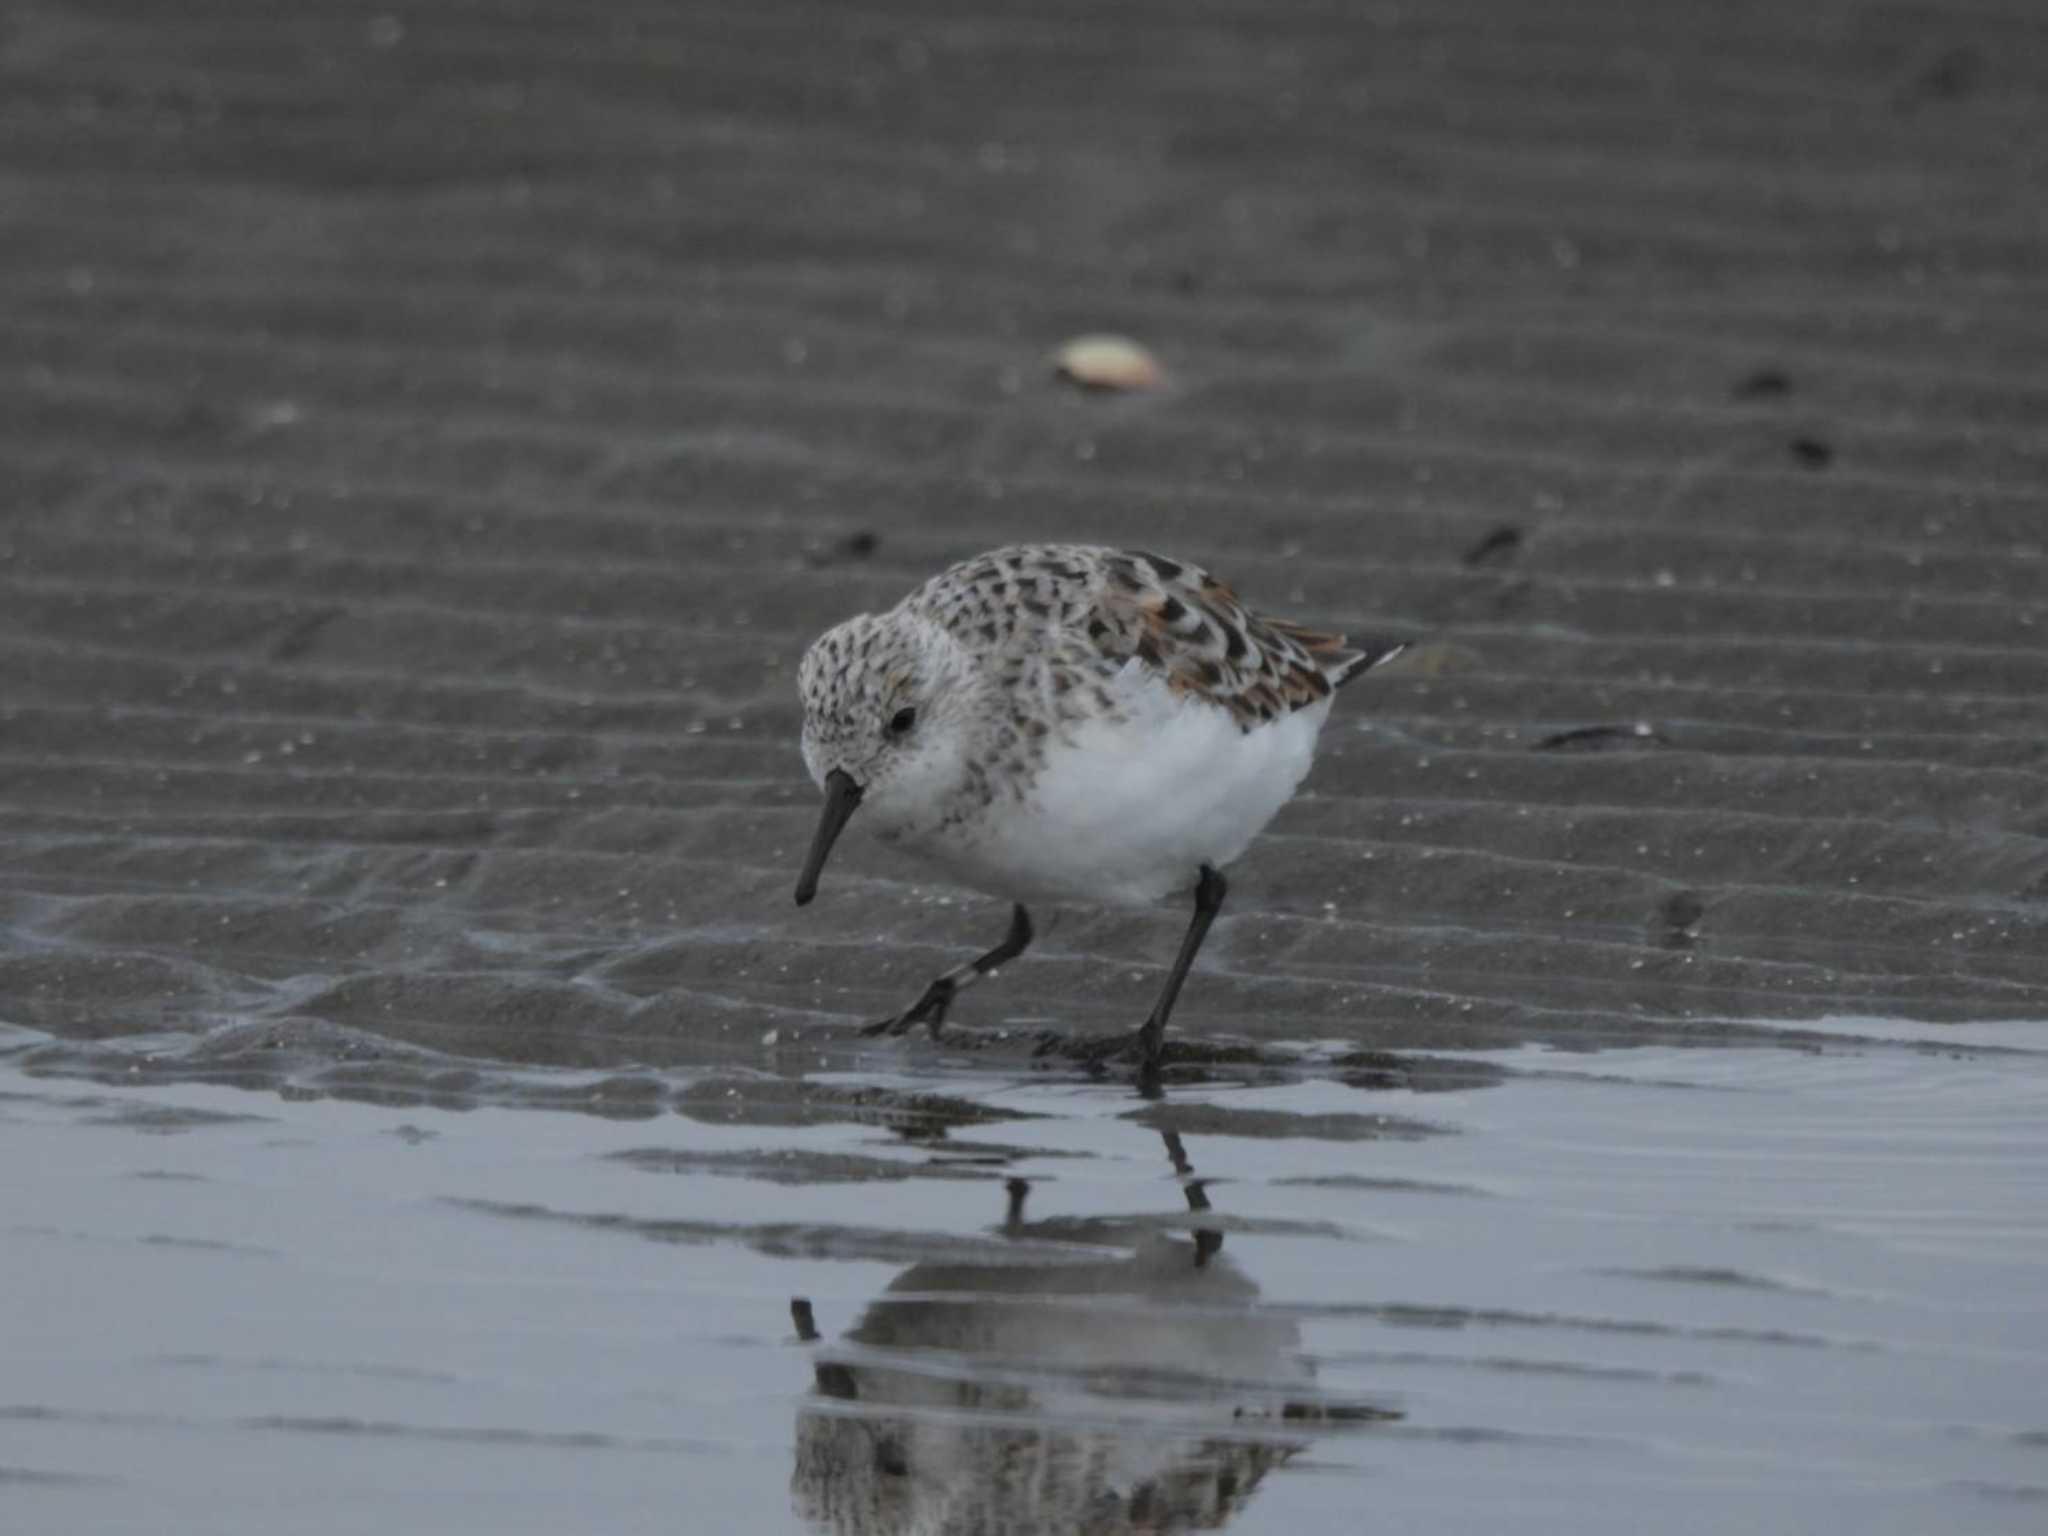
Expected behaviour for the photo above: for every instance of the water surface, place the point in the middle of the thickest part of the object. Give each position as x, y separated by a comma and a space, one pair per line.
1764, 1289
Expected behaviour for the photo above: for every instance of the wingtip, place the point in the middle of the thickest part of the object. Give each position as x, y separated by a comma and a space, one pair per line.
1369, 655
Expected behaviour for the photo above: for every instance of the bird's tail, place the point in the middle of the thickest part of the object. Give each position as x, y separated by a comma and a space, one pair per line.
1341, 657
1362, 656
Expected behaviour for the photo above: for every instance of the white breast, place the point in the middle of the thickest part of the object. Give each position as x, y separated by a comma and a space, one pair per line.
1127, 811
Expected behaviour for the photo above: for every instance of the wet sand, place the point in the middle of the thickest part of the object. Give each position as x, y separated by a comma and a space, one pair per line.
427, 442
428, 437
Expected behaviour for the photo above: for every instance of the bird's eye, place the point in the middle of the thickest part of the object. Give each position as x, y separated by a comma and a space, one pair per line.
901, 722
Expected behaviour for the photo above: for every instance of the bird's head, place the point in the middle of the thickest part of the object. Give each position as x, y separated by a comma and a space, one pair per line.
888, 726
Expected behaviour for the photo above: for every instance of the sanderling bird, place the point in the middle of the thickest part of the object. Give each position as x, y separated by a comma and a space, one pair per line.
1067, 722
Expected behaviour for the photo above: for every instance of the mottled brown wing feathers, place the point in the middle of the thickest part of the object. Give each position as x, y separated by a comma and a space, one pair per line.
1192, 629
1084, 611
1319, 643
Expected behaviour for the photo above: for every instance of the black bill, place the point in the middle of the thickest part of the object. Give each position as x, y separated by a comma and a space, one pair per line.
842, 799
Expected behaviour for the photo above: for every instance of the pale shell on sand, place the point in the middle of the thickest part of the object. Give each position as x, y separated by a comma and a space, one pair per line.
1108, 362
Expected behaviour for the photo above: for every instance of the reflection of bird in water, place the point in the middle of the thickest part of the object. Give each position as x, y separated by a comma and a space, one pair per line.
1055, 1390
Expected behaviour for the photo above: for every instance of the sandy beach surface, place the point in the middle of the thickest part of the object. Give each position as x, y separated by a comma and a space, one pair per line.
431, 432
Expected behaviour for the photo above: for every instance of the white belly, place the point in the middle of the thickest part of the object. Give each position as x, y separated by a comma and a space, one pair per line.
1129, 811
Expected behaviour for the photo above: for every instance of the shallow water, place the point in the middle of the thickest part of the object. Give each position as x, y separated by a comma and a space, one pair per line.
1763, 1289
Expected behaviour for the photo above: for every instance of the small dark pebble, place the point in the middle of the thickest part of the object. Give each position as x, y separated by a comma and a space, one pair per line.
1681, 909
1949, 76
1812, 452
860, 545
1676, 915
1603, 738
1764, 384
1500, 543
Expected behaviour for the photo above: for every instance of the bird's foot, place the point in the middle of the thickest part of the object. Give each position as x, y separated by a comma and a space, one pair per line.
929, 1009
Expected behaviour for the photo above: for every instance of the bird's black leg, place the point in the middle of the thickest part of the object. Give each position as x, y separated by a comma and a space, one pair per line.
1013, 1220
938, 997
1209, 892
